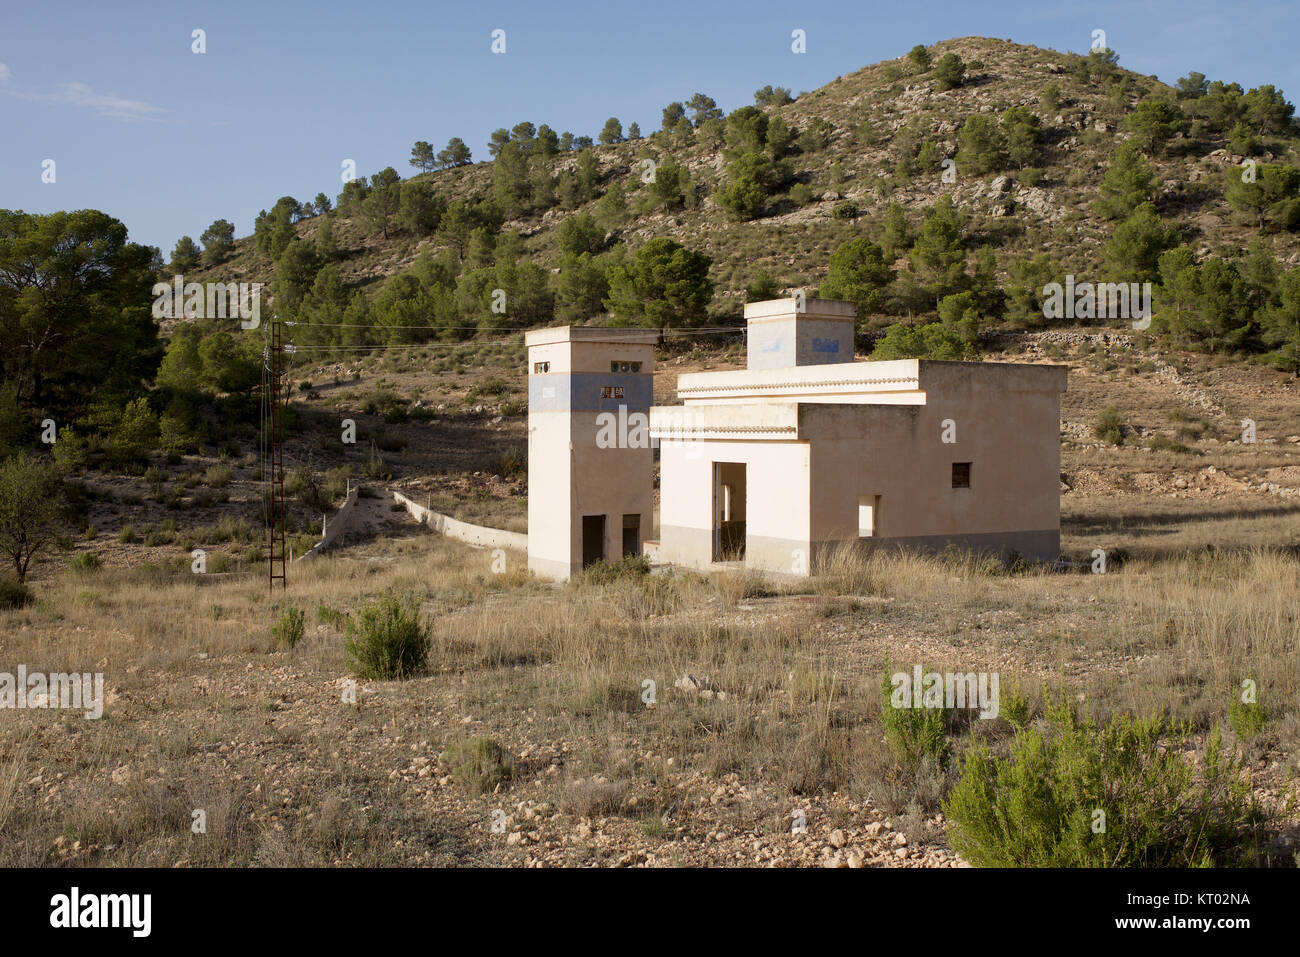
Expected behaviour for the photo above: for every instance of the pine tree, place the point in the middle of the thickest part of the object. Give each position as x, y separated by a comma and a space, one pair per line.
938, 256
858, 273
1128, 184
1133, 251
895, 233
186, 255
455, 154
1280, 324
422, 157
980, 146
949, 72
1153, 123
218, 239
663, 284
612, 131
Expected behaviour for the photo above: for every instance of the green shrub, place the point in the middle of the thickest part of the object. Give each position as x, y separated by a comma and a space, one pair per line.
128, 535
218, 476
1247, 721
949, 72
310, 491
388, 441
479, 764
606, 572
491, 386
801, 194
1039, 807
1030, 175
375, 467
288, 630
386, 640
845, 210
935, 340
762, 287
135, 434
512, 462
1109, 427
70, 451
331, 616
1014, 706
13, 593
1163, 443
85, 562
914, 734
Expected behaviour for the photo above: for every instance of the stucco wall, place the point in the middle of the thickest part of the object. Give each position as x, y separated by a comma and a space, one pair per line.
570, 475
479, 536
1004, 420
776, 510
334, 527
898, 454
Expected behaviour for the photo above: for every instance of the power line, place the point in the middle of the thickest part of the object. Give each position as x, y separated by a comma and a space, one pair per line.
664, 331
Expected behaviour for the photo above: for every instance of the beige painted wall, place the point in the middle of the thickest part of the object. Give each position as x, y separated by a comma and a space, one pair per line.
569, 475
898, 453
550, 494
815, 439
1005, 422
776, 509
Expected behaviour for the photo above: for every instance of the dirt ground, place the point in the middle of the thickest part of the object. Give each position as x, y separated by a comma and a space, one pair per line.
777, 724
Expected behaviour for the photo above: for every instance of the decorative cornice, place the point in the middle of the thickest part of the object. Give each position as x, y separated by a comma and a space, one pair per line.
913, 380
730, 429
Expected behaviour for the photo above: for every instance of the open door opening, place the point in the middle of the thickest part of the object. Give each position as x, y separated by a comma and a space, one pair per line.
593, 539
728, 511
868, 516
632, 534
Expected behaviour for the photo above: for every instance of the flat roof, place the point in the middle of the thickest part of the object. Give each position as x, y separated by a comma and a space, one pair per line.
864, 377
812, 309
617, 334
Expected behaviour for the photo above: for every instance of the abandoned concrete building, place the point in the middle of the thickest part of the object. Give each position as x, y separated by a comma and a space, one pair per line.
774, 465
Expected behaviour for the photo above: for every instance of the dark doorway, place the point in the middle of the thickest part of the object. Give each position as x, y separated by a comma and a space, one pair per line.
593, 539
728, 511
632, 534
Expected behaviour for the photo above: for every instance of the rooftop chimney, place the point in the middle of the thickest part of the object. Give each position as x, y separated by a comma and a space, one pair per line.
799, 332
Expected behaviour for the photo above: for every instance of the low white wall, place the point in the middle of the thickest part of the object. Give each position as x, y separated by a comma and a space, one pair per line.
478, 535
335, 528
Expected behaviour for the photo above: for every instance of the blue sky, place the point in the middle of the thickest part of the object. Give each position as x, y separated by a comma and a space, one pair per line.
168, 140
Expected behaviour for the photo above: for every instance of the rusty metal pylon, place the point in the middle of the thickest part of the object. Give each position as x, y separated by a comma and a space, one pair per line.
277, 556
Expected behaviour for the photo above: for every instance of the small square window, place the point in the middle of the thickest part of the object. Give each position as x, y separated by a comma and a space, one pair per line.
868, 515
540, 367
961, 475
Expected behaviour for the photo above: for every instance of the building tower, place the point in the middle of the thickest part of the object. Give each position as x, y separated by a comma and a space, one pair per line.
590, 464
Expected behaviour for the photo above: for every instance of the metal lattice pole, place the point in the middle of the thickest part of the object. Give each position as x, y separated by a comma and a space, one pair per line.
277, 565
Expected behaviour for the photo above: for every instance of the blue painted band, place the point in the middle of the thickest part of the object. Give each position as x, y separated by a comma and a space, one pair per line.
590, 392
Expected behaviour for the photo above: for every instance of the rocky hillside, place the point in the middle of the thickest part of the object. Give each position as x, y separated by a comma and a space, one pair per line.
864, 139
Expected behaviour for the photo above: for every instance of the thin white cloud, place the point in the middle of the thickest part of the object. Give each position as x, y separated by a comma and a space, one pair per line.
82, 95
106, 104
